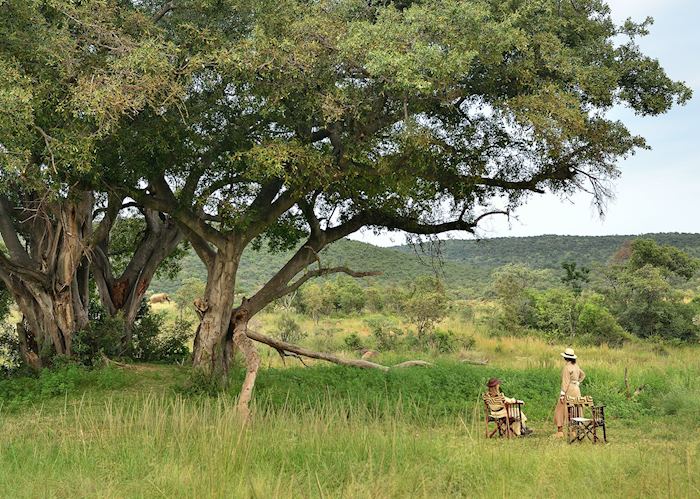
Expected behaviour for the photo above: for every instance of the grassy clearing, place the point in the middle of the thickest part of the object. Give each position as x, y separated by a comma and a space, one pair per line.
328, 431
160, 445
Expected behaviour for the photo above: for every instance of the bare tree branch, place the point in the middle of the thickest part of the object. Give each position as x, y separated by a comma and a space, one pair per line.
167, 7
288, 348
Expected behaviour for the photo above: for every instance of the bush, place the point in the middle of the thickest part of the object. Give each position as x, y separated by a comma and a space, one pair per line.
10, 356
441, 341
386, 337
103, 335
172, 344
145, 344
289, 330
599, 326
353, 342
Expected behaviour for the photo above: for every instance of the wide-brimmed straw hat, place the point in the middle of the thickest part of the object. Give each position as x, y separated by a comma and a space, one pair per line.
493, 382
568, 353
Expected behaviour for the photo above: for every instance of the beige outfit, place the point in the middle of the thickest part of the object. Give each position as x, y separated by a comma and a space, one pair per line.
499, 411
571, 377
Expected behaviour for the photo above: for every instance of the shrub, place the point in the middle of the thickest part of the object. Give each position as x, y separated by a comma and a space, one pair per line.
10, 356
387, 338
289, 330
353, 342
103, 335
599, 326
172, 344
145, 344
441, 341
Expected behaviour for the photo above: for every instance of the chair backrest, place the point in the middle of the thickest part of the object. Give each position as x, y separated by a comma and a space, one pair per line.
577, 405
494, 403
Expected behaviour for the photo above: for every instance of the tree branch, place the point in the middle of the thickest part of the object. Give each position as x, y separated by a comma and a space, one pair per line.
9, 234
321, 272
167, 7
283, 346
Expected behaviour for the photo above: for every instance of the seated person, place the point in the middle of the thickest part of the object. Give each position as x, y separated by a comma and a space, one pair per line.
518, 427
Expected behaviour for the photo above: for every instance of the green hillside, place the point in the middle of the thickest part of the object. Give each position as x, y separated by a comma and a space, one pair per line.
465, 265
396, 266
547, 252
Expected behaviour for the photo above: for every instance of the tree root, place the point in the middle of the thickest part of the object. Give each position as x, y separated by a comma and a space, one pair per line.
289, 350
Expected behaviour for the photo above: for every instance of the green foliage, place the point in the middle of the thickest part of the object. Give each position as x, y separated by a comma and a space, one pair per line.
345, 294
511, 286
387, 336
103, 336
598, 326
425, 303
466, 269
353, 342
575, 278
556, 311
66, 379
5, 301
11, 360
151, 340
641, 295
664, 257
287, 329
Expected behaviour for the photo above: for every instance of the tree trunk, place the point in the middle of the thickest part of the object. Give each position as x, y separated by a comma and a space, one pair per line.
215, 311
252, 359
47, 272
50, 321
125, 293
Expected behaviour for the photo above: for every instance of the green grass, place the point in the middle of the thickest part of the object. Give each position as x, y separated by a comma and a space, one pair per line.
336, 432
169, 446
330, 431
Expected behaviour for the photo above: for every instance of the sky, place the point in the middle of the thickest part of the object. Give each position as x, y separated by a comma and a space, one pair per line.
659, 190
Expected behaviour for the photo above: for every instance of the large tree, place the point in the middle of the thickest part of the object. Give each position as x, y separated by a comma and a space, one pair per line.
316, 119
69, 71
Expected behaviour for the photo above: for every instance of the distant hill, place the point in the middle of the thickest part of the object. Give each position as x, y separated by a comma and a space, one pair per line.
465, 265
396, 267
547, 252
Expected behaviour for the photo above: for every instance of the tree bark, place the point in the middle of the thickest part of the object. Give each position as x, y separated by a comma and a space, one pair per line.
251, 357
124, 294
47, 279
215, 311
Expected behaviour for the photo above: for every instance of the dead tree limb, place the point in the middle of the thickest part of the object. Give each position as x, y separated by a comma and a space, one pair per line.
288, 347
167, 7
289, 350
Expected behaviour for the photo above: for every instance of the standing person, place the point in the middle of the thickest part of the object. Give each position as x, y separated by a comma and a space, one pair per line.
571, 377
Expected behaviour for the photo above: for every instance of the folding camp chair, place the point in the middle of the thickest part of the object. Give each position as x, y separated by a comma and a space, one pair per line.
513, 413
581, 427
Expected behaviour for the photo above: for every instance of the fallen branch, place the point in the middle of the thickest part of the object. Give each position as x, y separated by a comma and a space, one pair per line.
289, 350
288, 347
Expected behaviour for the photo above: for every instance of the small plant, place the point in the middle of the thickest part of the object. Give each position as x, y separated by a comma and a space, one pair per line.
386, 337
10, 356
353, 342
441, 341
289, 330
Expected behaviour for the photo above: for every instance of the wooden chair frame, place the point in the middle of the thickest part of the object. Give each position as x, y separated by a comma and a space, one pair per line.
513, 414
580, 427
